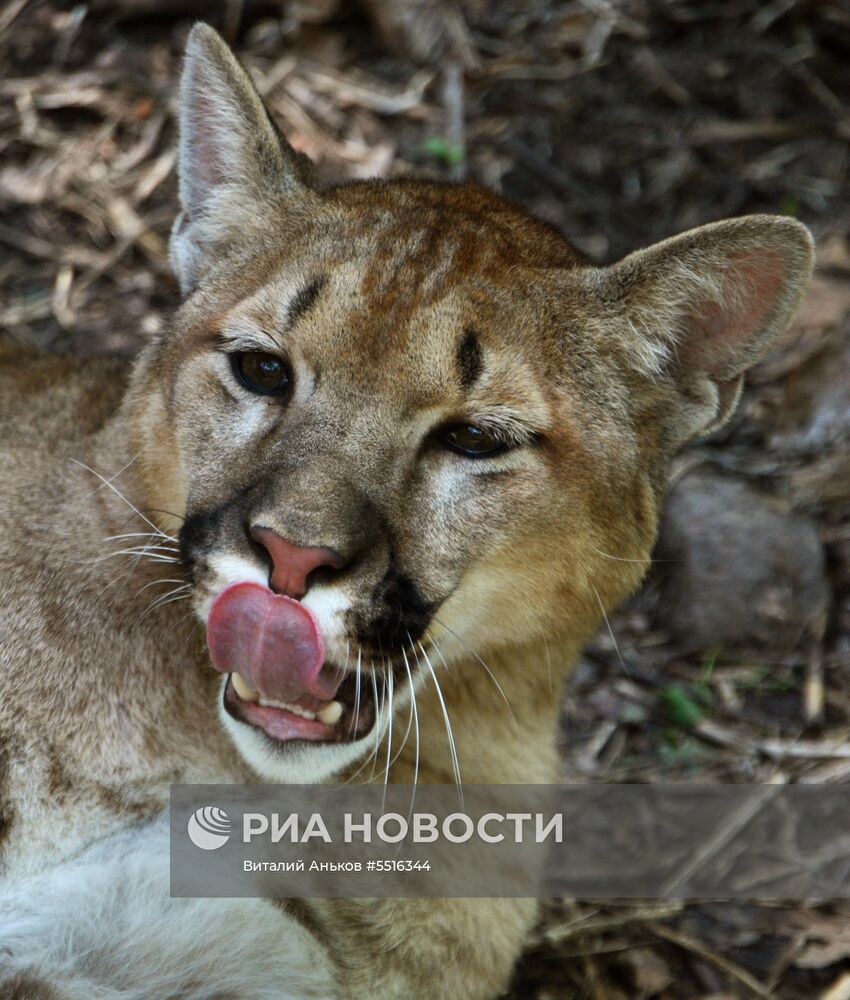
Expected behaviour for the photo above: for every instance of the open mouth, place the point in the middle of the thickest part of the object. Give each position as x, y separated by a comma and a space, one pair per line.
272, 652
348, 716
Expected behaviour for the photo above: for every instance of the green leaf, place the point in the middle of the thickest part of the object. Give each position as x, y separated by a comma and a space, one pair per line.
681, 708
790, 205
441, 149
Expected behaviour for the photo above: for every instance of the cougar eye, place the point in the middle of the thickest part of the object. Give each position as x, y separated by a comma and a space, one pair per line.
472, 441
263, 374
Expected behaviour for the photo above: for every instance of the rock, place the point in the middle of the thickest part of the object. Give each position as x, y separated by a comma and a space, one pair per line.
816, 409
740, 569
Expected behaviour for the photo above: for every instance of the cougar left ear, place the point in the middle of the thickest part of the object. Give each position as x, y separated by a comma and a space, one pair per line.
705, 306
230, 155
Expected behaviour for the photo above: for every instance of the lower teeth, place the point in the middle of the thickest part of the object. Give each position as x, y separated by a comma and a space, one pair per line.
294, 709
329, 714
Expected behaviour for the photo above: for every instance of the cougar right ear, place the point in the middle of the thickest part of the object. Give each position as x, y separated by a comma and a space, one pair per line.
701, 308
231, 156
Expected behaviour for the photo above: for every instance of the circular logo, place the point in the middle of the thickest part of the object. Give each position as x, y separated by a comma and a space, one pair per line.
209, 828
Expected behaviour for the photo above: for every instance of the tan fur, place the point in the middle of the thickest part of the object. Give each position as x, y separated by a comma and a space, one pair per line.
606, 370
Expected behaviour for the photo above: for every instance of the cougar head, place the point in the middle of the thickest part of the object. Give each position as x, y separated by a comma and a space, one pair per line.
404, 424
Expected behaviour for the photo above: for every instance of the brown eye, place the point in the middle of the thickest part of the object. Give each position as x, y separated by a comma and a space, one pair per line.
263, 374
472, 441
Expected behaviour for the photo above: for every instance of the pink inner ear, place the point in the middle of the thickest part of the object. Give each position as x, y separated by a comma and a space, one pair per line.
722, 334
205, 167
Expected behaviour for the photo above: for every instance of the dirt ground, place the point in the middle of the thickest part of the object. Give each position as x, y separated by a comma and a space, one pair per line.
621, 123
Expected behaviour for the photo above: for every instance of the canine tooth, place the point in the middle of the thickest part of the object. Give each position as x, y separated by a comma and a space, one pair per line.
330, 713
240, 686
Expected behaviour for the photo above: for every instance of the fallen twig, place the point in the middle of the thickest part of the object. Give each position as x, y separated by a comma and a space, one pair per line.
729, 968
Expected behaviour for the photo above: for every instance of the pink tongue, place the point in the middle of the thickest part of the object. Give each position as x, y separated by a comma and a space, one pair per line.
271, 640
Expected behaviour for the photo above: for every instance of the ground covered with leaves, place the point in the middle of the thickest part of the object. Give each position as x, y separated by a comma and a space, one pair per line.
621, 123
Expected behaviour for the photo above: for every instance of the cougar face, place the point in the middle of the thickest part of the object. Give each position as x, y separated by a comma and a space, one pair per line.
401, 424
374, 432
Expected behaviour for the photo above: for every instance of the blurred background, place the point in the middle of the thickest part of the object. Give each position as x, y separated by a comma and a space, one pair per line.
620, 123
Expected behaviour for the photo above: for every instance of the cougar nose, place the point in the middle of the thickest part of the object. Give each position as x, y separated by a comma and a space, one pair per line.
293, 564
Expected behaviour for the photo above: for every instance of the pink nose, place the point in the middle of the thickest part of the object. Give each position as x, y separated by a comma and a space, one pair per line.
293, 564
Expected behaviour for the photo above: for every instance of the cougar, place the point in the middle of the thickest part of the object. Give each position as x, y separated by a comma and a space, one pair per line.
401, 446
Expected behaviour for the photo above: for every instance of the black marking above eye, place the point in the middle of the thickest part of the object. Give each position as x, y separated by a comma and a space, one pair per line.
303, 300
470, 359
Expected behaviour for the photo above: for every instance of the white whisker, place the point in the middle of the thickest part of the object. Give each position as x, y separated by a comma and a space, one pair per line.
178, 594
548, 667
145, 534
626, 670
642, 562
157, 583
379, 711
409, 726
415, 715
106, 482
449, 734
469, 649
151, 548
372, 757
120, 495
357, 691
389, 683
138, 553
